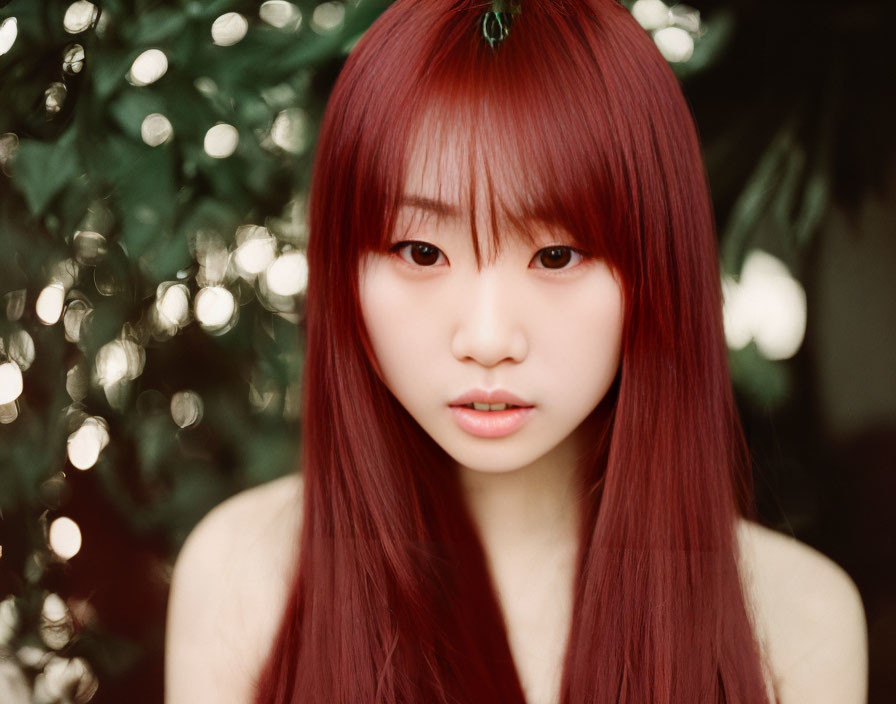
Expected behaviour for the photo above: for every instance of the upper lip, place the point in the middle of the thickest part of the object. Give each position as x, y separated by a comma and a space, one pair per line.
493, 396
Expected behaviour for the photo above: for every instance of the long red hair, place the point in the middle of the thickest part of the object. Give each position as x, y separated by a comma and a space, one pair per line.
577, 120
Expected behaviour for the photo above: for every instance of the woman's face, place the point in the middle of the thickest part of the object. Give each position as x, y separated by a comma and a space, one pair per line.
539, 321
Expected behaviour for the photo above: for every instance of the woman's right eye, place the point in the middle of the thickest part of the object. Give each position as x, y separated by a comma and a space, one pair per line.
421, 253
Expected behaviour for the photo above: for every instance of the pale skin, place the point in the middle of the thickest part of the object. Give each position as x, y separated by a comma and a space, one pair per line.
230, 586
554, 339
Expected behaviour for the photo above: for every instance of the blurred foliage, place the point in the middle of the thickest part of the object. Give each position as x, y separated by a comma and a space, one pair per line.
793, 109
78, 160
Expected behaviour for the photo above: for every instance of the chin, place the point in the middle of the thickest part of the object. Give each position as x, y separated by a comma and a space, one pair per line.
499, 458
490, 469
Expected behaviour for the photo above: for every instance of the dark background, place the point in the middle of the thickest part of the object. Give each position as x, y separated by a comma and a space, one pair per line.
795, 107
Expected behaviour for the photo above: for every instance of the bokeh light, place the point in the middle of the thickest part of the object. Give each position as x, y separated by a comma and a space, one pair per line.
674, 43
65, 537
79, 17
77, 382
9, 618
211, 253
206, 86
15, 304
156, 129
55, 622
11, 383
292, 227
119, 360
651, 14
256, 249
90, 247
172, 307
32, 656
148, 67
111, 363
87, 442
75, 320
280, 14
9, 412
54, 608
291, 130
65, 680
327, 17
186, 408
221, 140
262, 392
215, 309
73, 59
21, 349
686, 17
288, 275
767, 306
9, 145
54, 97
9, 30
673, 28
229, 28
49, 303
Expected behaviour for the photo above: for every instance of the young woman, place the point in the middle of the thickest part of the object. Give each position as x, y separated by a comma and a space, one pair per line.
510, 217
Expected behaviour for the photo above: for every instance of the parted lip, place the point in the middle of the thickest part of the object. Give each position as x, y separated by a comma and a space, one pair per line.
493, 396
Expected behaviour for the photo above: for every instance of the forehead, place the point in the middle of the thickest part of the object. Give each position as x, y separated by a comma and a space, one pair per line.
439, 172
453, 179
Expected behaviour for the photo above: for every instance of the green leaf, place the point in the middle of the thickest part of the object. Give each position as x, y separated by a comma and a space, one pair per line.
109, 71
42, 169
755, 198
143, 178
158, 25
767, 383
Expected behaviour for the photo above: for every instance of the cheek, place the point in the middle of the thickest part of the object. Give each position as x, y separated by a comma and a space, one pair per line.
585, 343
397, 333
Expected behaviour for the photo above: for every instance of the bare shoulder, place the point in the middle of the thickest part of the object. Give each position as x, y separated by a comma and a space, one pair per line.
808, 616
228, 592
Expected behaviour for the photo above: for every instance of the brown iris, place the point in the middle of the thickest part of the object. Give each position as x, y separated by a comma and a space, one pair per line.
556, 255
424, 254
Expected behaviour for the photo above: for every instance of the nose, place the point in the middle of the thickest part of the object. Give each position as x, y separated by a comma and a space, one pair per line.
490, 325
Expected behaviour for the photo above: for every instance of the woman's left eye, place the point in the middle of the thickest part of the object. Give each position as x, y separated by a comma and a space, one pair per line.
422, 254
558, 256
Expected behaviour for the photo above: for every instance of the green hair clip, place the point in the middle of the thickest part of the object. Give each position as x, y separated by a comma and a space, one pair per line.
496, 22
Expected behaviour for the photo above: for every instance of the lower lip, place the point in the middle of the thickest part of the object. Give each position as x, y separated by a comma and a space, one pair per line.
490, 424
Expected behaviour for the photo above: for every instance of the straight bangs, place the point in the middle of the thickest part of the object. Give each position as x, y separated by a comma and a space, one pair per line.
523, 131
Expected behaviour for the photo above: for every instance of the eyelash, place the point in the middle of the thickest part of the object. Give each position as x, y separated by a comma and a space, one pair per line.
398, 246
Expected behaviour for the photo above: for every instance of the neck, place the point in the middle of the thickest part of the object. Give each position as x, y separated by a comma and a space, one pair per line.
530, 510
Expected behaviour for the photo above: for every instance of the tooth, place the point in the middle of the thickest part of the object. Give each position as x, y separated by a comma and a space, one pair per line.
480, 406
